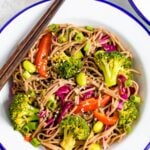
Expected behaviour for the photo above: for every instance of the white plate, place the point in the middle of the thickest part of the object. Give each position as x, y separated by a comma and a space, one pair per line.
142, 7
85, 12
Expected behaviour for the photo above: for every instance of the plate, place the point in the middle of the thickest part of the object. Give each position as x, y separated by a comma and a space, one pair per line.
142, 9
85, 12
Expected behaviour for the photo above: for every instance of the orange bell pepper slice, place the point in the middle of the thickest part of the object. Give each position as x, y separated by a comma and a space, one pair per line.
91, 104
87, 105
106, 119
41, 59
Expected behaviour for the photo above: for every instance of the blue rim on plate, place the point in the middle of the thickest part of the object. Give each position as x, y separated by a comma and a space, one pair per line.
147, 147
139, 12
106, 2
2, 147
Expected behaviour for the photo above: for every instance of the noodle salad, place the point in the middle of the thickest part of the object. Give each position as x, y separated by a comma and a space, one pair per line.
75, 90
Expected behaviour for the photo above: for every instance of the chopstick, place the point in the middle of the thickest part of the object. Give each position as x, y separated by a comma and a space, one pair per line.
24, 47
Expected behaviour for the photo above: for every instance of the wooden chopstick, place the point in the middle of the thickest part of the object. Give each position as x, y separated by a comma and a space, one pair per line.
24, 47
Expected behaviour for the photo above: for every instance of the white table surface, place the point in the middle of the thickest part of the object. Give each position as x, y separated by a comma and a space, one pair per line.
8, 8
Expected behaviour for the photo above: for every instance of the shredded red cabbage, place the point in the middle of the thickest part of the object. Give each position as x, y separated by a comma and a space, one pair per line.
62, 92
104, 39
50, 122
107, 46
67, 106
42, 114
120, 105
123, 91
132, 90
87, 95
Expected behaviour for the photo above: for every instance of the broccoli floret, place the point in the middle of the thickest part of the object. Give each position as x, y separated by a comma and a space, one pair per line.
74, 128
58, 58
22, 112
70, 67
111, 64
129, 113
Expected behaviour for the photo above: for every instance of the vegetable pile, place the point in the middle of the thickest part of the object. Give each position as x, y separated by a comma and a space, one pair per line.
75, 90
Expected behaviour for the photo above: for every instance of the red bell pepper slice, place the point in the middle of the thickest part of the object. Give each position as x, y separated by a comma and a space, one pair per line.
106, 119
44, 48
91, 104
105, 100
87, 105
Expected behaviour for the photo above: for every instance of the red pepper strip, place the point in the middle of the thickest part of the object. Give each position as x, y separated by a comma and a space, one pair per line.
44, 48
105, 119
87, 105
105, 100
27, 138
91, 104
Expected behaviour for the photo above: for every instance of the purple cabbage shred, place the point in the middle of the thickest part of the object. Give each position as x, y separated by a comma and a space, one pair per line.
87, 95
62, 92
65, 109
50, 122
109, 47
120, 105
123, 91
42, 114
104, 41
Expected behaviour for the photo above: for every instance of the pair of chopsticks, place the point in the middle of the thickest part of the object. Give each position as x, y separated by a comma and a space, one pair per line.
24, 47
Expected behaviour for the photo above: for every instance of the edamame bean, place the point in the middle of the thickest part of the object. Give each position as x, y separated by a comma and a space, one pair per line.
28, 66
90, 28
78, 55
95, 146
79, 36
35, 142
87, 47
81, 79
26, 75
98, 127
